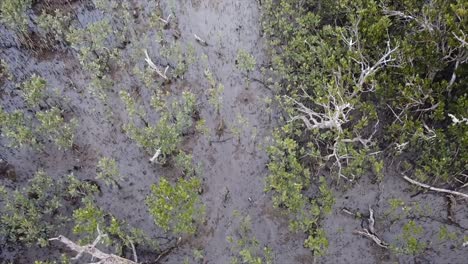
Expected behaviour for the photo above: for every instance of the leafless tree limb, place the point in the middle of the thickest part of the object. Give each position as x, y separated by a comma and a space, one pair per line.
154, 67
200, 40
434, 188
457, 121
335, 114
93, 251
135, 256
367, 70
370, 232
167, 20
371, 236
156, 155
462, 40
366, 142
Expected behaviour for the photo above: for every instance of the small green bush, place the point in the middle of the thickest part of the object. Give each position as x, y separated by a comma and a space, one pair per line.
108, 171
15, 127
34, 214
34, 90
54, 127
176, 208
13, 14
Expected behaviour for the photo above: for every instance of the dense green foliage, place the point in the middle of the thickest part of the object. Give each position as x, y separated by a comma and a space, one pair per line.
393, 69
13, 14
34, 214
360, 80
175, 119
24, 129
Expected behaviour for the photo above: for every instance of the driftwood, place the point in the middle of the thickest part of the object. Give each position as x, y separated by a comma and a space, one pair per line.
434, 188
91, 249
370, 232
154, 67
200, 40
156, 156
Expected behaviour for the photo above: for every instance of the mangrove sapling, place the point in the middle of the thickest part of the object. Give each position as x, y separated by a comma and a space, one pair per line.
245, 62
15, 127
162, 139
176, 208
94, 53
240, 124
5, 71
201, 127
108, 171
54, 127
409, 240
185, 162
245, 247
14, 14
33, 90
54, 25
30, 215
215, 92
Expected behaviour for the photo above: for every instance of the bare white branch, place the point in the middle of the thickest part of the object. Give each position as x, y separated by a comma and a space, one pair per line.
154, 67
335, 114
434, 188
135, 256
373, 237
200, 40
461, 39
93, 251
457, 121
368, 70
370, 232
167, 20
156, 155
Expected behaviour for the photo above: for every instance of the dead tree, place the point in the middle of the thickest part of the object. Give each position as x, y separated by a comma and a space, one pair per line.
91, 249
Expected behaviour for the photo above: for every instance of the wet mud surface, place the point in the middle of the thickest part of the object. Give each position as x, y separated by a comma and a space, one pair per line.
232, 155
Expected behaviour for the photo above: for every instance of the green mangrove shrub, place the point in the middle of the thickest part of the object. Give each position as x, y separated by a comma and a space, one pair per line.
176, 208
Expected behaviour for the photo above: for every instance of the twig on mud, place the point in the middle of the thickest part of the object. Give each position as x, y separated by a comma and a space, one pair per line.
434, 188
371, 220
167, 20
221, 141
373, 237
370, 232
154, 67
262, 83
167, 251
135, 256
200, 40
351, 213
450, 204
